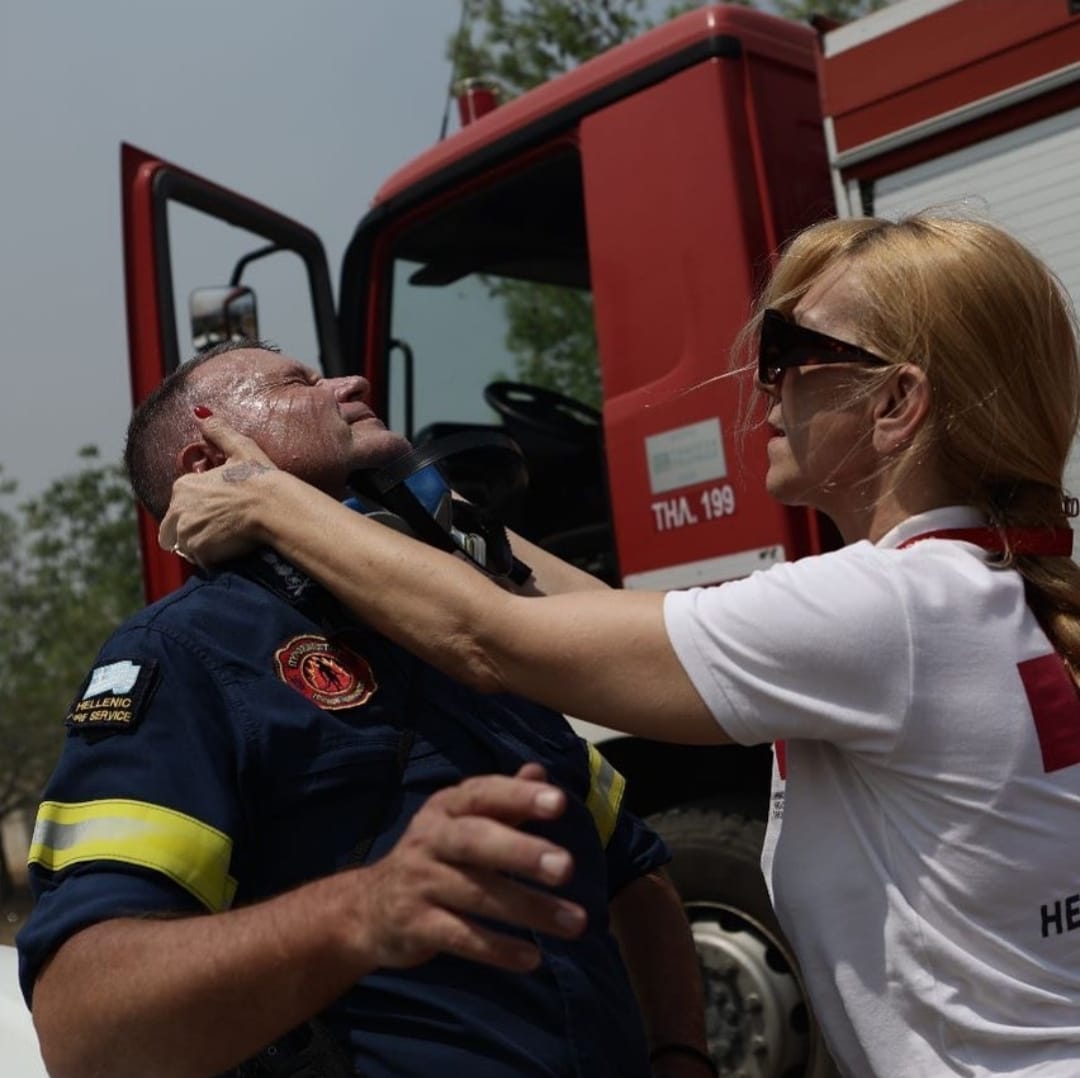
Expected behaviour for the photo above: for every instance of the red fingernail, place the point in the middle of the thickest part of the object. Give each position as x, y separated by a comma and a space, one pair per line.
202, 411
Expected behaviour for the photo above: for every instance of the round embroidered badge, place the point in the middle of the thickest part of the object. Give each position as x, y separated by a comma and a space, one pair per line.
328, 673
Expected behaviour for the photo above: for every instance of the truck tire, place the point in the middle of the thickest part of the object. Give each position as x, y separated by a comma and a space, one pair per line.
757, 1019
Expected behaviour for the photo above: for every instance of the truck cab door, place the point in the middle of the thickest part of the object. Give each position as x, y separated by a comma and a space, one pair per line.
240, 268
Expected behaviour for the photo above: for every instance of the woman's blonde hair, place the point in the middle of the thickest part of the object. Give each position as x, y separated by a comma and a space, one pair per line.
995, 332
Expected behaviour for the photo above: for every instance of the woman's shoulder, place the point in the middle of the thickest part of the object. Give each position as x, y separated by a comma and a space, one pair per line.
857, 565
847, 586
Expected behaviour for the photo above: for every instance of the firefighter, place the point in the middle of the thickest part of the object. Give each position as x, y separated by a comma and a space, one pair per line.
276, 842
921, 385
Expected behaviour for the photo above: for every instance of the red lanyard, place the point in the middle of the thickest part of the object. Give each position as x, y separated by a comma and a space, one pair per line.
1057, 542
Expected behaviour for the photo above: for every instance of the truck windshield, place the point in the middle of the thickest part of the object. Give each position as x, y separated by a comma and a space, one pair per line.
495, 287
492, 317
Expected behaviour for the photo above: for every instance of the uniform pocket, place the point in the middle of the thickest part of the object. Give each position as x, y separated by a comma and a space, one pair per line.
314, 815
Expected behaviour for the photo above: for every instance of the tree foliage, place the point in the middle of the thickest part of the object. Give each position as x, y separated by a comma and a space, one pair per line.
840, 10
551, 338
69, 574
520, 44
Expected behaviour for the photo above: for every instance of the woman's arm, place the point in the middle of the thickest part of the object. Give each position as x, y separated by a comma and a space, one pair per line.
600, 655
550, 575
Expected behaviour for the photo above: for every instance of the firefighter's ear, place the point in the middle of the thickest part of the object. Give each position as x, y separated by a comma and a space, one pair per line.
199, 456
901, 408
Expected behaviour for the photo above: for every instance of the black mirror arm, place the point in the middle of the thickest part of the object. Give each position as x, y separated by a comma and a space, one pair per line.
251, 256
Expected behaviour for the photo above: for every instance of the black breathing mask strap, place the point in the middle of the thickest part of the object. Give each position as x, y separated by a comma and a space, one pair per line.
413, 488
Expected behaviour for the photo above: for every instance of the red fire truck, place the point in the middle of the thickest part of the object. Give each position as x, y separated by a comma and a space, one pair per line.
636, 202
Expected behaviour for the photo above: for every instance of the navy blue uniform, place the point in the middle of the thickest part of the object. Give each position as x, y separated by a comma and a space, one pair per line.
244, 736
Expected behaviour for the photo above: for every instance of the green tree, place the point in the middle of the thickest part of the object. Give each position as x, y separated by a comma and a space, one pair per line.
69, 574
840, 10
520, 44
551, 337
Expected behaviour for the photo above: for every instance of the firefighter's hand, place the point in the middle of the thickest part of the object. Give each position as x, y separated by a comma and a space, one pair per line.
209, 519
464, 857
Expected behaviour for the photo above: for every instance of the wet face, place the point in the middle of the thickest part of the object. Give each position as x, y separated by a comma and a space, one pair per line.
820, 450
320, 429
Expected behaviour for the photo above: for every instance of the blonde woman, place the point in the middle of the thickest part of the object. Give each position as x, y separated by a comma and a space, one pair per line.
922, 390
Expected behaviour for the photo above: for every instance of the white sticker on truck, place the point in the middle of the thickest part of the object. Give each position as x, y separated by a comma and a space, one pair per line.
685, 456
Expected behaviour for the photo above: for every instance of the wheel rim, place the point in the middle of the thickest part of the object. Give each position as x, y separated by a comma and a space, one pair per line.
755, 1015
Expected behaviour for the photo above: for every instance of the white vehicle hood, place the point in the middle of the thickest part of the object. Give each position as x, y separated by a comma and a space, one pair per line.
21, 1058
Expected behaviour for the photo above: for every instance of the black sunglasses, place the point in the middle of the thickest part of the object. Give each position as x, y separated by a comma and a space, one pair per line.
786, 344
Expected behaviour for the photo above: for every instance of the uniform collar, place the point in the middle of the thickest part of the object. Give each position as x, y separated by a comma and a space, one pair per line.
270, 570
967, 525
947, 517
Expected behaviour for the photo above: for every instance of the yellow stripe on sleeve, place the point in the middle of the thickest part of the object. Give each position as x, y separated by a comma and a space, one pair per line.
185, 849
606, 789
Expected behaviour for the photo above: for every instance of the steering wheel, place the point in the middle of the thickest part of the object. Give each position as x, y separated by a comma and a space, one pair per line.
543, 411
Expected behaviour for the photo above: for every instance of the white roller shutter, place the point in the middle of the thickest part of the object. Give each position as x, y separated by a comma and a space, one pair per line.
1028, 181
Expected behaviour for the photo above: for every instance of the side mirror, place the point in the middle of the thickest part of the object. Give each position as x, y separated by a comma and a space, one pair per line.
224, 313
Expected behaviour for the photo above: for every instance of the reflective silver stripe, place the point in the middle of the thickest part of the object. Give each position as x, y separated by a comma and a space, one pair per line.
188, 851
606, 789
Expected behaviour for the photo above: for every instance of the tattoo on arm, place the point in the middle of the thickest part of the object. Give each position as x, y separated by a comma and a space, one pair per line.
238, 473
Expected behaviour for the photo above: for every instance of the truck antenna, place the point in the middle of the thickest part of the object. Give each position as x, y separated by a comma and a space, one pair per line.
453, 68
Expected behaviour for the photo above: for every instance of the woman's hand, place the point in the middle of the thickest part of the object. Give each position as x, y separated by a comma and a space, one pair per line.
211, 515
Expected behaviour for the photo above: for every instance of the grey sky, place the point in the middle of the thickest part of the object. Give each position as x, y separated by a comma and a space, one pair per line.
305, 106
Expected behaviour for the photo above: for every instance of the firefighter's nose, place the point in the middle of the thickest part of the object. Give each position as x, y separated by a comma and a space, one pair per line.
352, 387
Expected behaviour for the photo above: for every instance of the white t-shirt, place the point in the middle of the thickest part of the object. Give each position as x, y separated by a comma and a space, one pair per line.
924, 853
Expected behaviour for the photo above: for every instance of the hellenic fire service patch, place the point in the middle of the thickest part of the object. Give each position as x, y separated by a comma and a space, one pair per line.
327, 672
113, 696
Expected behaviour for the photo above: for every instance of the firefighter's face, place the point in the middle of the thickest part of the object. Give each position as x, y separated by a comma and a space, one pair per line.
320, 429
820, 450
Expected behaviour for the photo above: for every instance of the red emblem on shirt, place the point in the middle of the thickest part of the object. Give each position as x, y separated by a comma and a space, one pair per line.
780, 748
327, 672
1055, 709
